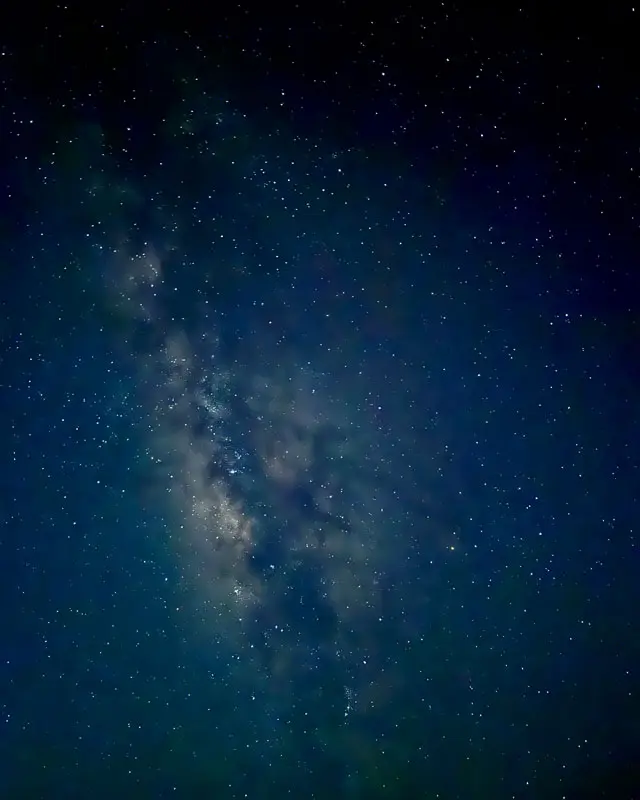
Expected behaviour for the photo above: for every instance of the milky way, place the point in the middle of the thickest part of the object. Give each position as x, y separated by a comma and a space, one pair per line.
281, 427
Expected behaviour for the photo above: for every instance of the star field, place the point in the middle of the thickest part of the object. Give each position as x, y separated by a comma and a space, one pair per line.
319, 403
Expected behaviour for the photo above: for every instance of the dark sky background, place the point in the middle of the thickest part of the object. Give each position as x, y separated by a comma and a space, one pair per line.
319, 403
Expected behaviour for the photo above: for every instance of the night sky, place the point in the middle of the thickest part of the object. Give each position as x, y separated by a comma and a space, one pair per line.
319, 403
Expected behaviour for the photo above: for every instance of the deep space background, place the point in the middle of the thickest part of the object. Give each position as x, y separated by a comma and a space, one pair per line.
319, 403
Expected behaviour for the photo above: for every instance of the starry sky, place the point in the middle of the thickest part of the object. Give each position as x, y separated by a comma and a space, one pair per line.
319, 397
